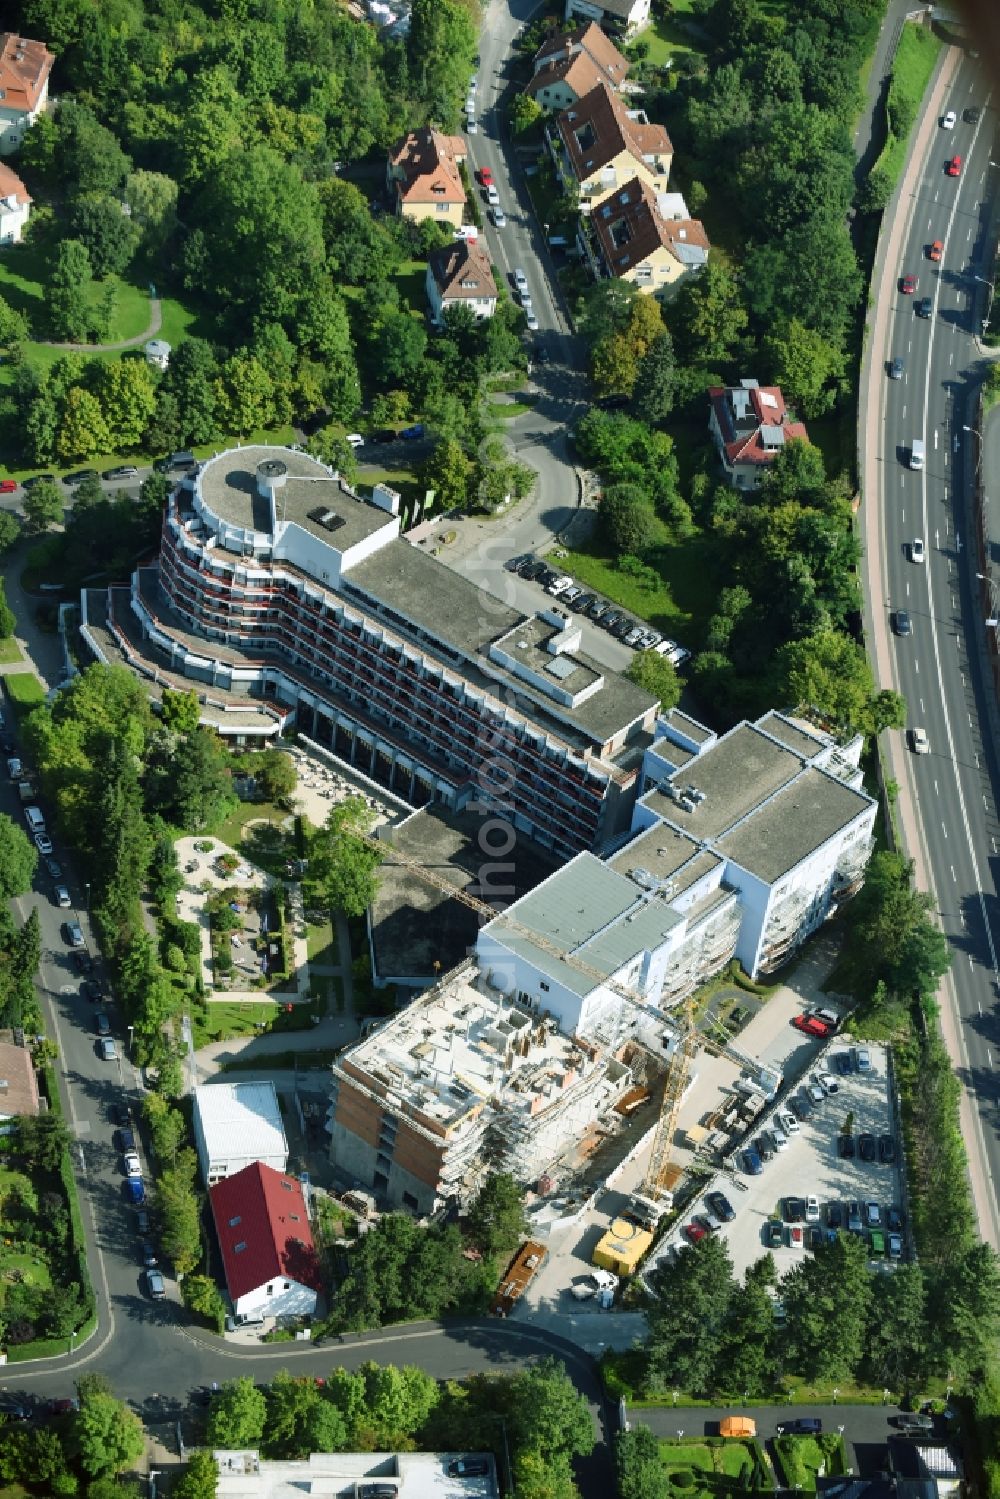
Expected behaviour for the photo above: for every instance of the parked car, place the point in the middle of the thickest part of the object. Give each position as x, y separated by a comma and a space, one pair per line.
54, 868
787, 1122
834, 1215
73, 934
121, 1115
61, 896
887, 1150
514, 564
695, 1231
842, 1062
908, 285
863, 1059
43, 843
919, 742
775, 1234
8, 486
102, 1024
867, 1149
845, 1146
895, 1243
410, 433
894, 1219
752, 1163
355, 440
123, 471
106, 1049
873, 1215
485, 177
854, 1222
132, 1163
135, 1191
38, 479
794, 1209
14, 1409
816, 1093
801, 1426
812, 1209
124, 1139
155, 1285
764, 1145
796, 1238
142, 1220
499, 217
520, 279
148, 1253
827, 1082
583, 603
721, 1206
810, 1026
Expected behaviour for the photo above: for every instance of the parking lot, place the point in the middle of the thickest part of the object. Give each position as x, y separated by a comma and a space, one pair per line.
812, 1163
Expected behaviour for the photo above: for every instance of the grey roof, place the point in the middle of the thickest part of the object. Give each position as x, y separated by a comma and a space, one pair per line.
666, 854
688, 726
736, 774
800, 818
228, 487
791, 734
590, 910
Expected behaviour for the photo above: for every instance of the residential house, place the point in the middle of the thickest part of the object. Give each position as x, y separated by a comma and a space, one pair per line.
15, 205
268, 1254
24, 86
157, 352
648, 238
624, 15
236, 1124
18, 1083
569, 64
599, 145
750, 425
461, 275
423, 175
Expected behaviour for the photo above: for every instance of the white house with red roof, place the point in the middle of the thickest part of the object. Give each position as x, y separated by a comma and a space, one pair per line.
24, 86
750, 425
270, 1260
15, 205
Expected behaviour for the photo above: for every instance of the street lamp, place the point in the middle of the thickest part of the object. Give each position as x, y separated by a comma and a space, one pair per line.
130, 1030
88, 897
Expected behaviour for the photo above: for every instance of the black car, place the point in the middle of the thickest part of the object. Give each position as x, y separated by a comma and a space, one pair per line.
102, 1024
142, 1220
886, 1150
598, 609
624, 627
612, 618
721, 1206
124, 1138
815, 1237
867, 1149
894, 1220
834, 1215
514, 564
896, 369
92, 990
802, 1426
842, 1062
583, 602
546, 576
121, 1115
541, 354
923, 307
795, 1210
54, 868
765, 1145
805, 1103
531, 570
82, 961
845, 1147
901, 622
123, 471
38, 479
80, 475
971, 114
148, 1254
775, 1234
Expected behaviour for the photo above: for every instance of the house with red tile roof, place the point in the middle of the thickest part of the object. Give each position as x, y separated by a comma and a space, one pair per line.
628, 15
460, 274
750, 425
422, 174
270, 1260
569, 64
15, 205
24, 86
598, 145
648, 238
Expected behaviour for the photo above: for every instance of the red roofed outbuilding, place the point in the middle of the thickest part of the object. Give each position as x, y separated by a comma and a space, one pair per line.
750, 425
270, 1260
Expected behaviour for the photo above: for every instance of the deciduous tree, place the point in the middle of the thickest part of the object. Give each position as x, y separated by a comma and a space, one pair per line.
106, 1435
655, 675
237, 1415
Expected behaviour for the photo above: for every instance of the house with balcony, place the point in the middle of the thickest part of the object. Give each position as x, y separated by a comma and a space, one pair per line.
626, 16
750, 425
15, 206
25, 66
646, 237
569, 64
599, 146
423, 177
460, 275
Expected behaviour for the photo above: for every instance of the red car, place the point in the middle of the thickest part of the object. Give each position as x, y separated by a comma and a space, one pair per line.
908, 285
936, 250
696, 1232
795, 1236
486, 176
8, 486
955, 167
811, 1026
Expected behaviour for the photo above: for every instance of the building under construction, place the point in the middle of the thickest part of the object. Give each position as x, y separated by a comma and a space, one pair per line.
460, 1083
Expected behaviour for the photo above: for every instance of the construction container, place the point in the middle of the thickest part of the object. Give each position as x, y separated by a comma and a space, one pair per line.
624, 1247
517, 1277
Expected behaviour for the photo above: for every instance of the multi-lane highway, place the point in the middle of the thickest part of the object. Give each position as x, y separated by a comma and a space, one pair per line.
954, 835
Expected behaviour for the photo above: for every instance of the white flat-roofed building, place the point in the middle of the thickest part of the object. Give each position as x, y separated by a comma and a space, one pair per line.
236, 1124
355, 1475
413, 1104
289, 601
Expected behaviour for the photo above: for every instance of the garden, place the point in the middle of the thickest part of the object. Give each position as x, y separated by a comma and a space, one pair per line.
249, 947
714, 1466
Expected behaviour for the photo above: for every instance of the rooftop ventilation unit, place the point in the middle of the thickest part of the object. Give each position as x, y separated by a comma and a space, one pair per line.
328, 519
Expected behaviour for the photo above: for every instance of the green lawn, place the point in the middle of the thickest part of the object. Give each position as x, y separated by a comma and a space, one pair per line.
914, 63
682, 603
9, 651
803, 1458
232, 831
29, 1268
699, 1469
665, 38
24, 271
225, 1020
24, 690
320, 944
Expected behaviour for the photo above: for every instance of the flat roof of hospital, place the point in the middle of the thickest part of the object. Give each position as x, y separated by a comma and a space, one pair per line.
228, 485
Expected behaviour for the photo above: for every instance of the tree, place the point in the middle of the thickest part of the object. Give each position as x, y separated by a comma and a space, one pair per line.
275, 775
495, 1221
655, 675
299, 1419
440, 46
180, 711
43, 1138
152, 198
188, 779
68, 306
13, 326
745, 1359
244, 395
525, 112
965, 1311
896, 1346
191, 379
237, 1415
629, 519
638, 1469
537, 1478
656, 378
397, 350
342, 869
128, 397
687, 1320
832, 1288
43, 507
18, 860
806, 365
83, 430
200, 1479
397, 1402
109, 236
107, 1437
707, 317
10, 530
90, 158
179, 1216
828, 671
892, 938
8, 620
547, 1415
448, 471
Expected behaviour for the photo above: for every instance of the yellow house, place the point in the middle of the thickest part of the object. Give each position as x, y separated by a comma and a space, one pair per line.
422, 173
600, 146
648, 238
569, 64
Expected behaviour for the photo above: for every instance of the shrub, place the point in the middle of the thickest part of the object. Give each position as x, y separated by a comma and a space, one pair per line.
682, 1479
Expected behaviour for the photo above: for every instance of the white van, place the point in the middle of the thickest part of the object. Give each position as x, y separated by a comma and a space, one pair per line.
35, 820
917, 453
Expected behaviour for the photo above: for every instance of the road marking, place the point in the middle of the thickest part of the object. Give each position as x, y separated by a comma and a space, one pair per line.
936, 791
989, 1055
904, 408
935, 440
907, 589
951, 357
922, 708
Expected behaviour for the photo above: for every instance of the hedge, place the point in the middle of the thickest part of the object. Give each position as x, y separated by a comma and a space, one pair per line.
21, 1353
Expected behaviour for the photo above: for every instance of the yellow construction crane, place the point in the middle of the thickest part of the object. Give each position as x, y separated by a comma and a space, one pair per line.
654, 1196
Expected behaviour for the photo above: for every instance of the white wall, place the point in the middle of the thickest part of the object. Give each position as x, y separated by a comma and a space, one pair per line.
12, 222
295, 1301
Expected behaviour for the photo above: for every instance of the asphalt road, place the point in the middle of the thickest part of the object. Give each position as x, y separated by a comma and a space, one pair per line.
936, 668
